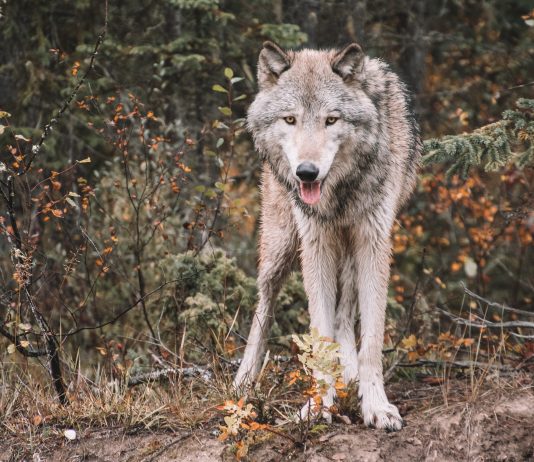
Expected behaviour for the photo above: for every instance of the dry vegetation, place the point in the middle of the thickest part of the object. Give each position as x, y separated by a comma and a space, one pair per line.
470, 415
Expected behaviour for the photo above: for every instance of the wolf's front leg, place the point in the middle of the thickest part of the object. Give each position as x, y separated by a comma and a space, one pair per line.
278, 247
373, 255
320, 281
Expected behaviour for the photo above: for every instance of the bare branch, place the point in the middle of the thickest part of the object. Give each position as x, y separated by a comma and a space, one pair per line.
500, 306
15, 339
484, 323
456, 364
194, 371
36, 148
124, 311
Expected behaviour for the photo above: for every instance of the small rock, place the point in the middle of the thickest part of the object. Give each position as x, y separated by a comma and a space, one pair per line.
70, 434
343, 419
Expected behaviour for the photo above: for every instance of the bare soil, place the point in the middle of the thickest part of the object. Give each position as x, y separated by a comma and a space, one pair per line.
451, 423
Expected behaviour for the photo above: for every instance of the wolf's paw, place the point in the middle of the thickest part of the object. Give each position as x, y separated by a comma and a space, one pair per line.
382, 415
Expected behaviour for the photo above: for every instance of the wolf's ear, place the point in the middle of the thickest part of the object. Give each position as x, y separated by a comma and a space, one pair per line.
347, 63
273, 61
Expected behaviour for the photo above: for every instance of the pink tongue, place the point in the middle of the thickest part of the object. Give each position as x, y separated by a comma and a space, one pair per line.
310, 192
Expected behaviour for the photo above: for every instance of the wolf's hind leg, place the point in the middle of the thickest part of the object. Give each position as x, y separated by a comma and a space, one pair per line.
345, 319
278, 247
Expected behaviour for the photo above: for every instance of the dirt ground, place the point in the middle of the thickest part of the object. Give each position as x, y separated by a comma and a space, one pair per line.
456, 424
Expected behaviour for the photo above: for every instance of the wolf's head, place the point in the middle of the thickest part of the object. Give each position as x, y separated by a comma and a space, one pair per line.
312, 116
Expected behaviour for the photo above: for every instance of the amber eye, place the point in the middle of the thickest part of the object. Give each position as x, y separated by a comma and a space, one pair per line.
290, 120
331, 120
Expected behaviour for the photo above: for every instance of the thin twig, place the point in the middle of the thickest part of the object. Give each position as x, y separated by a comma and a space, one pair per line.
456, 364
163, 374
15, 340
123, 312
484, 323
500, 306
36, 148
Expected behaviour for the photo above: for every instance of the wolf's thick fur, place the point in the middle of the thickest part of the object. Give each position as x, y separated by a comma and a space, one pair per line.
348, 115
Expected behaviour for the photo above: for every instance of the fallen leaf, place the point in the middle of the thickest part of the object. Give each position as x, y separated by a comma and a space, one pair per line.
409, 342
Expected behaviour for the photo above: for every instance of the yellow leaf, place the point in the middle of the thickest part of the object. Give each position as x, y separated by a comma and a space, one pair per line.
11, 349
219, 88
87, 160
410, 342
225, 110
228, 73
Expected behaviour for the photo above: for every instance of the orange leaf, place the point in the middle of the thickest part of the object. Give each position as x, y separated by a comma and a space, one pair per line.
75, 68
469, 341
242, 450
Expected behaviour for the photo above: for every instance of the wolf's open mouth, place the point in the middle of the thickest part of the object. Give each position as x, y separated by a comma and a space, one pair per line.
310, 192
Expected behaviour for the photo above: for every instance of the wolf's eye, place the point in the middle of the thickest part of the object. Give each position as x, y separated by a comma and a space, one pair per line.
290, 120
331, 120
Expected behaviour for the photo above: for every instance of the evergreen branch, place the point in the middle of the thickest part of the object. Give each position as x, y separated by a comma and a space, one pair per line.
492, 146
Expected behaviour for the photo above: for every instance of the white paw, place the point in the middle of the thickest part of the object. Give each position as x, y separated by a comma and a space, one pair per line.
381, 415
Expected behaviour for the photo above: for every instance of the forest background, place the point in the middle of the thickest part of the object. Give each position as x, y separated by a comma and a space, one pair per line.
129, 186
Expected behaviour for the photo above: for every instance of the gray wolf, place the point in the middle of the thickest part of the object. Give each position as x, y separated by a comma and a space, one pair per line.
340, 151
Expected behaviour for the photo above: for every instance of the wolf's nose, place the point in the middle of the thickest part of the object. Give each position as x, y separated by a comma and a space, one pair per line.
307, 171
